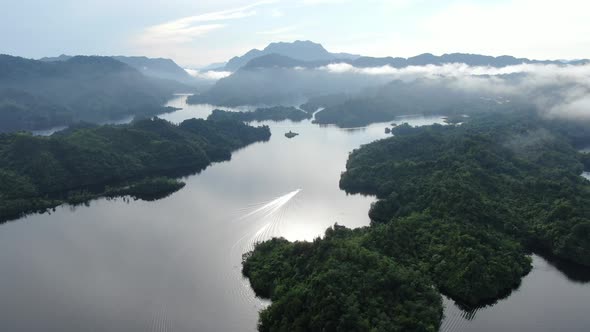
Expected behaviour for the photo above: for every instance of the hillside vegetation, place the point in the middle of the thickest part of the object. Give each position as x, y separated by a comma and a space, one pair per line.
85, 161
40, 94
459, 206
277, 113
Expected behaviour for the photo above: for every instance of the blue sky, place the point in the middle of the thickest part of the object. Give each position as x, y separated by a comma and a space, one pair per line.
195, 33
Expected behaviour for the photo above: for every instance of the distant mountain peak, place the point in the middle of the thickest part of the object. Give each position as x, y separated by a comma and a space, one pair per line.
299, 50
296, 44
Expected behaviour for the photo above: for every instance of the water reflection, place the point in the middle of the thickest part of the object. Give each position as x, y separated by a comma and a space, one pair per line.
175, 264
545, 301
200, 111
573, 272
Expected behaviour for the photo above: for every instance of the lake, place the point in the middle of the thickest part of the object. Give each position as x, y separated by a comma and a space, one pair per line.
174, 264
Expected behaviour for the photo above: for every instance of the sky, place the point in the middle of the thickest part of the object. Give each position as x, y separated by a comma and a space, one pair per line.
196, 33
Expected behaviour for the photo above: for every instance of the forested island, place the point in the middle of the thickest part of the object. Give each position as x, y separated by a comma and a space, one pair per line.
88, 161
277, 113
459, 209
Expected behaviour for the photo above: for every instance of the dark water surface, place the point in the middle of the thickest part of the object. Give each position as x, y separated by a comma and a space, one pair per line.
174, 264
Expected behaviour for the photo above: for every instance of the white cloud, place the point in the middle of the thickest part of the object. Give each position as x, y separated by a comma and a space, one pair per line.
450, 69
389, 3
556, 90
208, 75
175, 33
186, 29
320, 2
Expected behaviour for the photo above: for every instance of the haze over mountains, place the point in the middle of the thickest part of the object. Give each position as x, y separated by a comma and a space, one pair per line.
309, 54
297, 50
293, 73
40, 94
36, 94
159, 67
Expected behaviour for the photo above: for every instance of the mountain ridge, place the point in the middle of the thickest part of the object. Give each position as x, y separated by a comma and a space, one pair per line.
298, 50
162, 68
425, 59
308, 53
38, 94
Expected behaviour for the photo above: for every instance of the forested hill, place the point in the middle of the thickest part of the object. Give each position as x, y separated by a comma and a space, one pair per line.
277, 113
162, 68
38, 94
459, 205
396, 98
41, 172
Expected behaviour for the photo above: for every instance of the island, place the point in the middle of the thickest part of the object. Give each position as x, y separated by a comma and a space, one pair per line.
88, 161
291, 134
460, 208
277, 113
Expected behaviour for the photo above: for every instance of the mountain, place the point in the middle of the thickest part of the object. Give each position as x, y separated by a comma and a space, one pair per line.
298, 50
213, 66
157, 67
40, 94
308, 54
162, 68
287, 73
274, 60
278, 60
63, 57
430, 59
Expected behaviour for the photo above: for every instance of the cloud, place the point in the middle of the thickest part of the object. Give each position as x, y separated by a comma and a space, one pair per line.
321, 2
450, 69
186, 29
176, 33
389, 3
208, 75
556, 90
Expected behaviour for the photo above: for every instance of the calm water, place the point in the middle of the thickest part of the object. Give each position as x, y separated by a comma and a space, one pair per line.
174, 264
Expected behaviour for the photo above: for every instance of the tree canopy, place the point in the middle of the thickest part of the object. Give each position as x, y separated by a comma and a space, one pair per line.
39, 172
459, 208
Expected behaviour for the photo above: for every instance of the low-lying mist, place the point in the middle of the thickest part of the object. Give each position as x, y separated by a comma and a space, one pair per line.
554, 90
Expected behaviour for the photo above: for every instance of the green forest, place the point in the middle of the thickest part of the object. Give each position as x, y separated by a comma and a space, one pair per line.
337, 284
277, 113
87, 161
460, 207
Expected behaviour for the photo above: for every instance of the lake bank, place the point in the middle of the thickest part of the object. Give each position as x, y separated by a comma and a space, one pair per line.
175, 263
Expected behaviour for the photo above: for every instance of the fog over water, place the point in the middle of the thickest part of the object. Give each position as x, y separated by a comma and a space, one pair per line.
555, 90
174, 264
